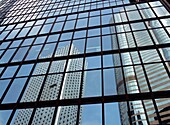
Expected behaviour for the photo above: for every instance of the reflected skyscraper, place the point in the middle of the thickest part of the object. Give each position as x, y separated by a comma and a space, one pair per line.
134, 79
70, 90
45, 46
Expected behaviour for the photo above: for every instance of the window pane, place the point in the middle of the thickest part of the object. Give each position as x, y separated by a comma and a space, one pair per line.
47, 51
4, 115
25, 70
51, 87
8, 54
33, 52
92, 114
93, 45
15, 43
20, 54
22, 116
24, 32
9, 72
3, 86
58, 26
34, 30
112, 114
32, 91
4, 45
14, 90
40, 40
13, 34
92, 86
46, 29
41, 68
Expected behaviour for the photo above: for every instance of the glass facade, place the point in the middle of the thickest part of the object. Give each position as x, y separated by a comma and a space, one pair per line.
88, 62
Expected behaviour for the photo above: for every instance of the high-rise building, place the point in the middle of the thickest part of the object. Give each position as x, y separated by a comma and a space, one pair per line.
135, 80
71, 89
91, 62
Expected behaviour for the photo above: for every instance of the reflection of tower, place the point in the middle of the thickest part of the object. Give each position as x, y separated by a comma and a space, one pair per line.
70, 89
134, 78
159, 33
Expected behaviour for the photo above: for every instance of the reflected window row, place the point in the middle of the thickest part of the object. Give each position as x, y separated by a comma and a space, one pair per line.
53, 6
50, 25
55, 3
71, 85
65, 115
32, 49
36, 28
120, 9
118, 13
47, 47
140, 111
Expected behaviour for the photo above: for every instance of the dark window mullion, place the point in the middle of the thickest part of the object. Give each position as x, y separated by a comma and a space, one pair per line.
145, 74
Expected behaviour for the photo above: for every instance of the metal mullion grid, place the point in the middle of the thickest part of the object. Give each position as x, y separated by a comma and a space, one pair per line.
34, 16
16, 49
111, 67
109, 2
144, 70
74, 6
22, 93
18, 18
21, 19
91, 54
52, 9
18, 14
12, 79
163, 5
92, 27
162, 60
156, 47
10, 83
47, 13
10, 33
124, 80
4, 20
134, 69
86, 101
145, 111
11, 48
65, 70
45, 76
123, 74
29, 16
102, 8
82, 75
12, 20
92, 5
20, 63
102, 74
83, 11
7, 48
76, 17
64, 73
19, 45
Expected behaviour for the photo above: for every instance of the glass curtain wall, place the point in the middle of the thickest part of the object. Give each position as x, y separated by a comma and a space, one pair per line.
87, 62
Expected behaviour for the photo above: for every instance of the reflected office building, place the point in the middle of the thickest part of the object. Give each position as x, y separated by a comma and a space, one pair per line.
141, 78
84, 62
70, 90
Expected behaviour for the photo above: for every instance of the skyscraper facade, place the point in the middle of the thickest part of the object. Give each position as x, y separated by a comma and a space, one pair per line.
88, 62
70, 90
134, 77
